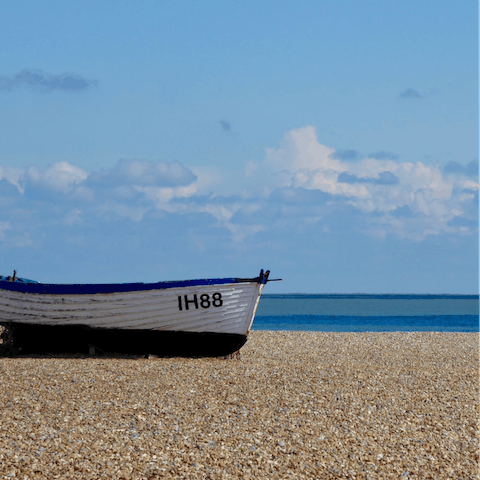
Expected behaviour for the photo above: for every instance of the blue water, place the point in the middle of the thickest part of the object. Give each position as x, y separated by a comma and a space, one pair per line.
368, 313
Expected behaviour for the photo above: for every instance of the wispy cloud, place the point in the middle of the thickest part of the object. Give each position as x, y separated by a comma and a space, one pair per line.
40, 81
143, 173
409, 93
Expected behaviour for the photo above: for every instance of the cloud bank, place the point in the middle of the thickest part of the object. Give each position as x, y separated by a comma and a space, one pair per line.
300, 190
301, 179
43, 82
409, 200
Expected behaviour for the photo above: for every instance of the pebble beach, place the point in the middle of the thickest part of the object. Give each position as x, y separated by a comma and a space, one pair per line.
291, 405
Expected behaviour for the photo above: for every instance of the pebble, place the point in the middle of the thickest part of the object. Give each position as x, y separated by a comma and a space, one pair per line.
300, 405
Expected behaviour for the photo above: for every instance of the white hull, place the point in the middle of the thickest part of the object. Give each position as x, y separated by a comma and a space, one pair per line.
144, 310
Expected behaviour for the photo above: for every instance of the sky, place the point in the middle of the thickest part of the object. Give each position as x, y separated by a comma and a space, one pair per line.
334, 143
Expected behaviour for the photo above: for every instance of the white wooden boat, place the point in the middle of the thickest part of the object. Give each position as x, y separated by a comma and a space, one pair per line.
210, 317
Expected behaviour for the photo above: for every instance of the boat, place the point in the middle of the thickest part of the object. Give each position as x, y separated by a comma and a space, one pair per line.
192, 318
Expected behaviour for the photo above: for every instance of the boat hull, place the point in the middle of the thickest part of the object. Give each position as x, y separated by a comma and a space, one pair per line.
192, 318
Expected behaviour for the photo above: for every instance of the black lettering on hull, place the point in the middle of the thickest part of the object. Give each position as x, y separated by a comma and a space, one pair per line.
205, 301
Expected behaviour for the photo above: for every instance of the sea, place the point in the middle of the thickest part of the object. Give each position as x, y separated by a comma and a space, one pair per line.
368, 313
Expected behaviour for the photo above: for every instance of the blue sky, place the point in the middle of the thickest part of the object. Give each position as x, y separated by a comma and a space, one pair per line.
335, 143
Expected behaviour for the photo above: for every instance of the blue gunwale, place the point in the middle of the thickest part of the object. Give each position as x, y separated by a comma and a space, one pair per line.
91, 289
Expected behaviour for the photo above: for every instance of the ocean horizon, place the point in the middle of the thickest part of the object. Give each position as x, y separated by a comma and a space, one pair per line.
361, 312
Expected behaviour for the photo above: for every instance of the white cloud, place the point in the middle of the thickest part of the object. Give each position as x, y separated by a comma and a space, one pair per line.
301, 151
58, 177
208, 178
299, 184
12, 175
466, 185
144, 173
301, 161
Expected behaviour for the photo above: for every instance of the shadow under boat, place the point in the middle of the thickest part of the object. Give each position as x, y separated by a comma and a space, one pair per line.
24, 339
